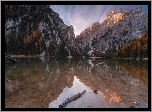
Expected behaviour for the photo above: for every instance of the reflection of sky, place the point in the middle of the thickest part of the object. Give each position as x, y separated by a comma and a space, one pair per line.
115, 85
78, 87
82, 16
88, 99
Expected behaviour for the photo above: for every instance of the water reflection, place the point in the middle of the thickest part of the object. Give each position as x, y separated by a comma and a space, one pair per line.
111, 96
69, 92
37, 84
136, 69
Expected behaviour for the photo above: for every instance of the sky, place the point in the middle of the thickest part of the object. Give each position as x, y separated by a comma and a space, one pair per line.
83, 16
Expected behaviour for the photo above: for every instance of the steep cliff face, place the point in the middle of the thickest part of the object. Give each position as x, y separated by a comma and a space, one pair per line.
116, 30
32, 29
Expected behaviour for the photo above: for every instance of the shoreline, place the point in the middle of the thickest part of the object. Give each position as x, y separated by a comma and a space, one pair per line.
30, 56
22, 56
144, 59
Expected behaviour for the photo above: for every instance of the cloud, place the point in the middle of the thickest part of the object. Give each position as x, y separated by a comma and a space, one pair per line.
82, 16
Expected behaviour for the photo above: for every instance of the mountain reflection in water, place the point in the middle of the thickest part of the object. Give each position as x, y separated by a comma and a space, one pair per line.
38, 84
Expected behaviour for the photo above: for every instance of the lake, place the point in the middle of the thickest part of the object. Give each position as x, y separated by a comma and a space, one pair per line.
42, 83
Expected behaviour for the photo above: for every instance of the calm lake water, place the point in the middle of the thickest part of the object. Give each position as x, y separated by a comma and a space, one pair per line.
48, 83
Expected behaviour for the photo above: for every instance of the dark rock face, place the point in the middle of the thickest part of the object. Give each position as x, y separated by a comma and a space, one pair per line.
32, 29
118, 29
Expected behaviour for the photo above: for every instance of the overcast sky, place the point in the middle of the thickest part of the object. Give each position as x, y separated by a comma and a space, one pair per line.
82, 16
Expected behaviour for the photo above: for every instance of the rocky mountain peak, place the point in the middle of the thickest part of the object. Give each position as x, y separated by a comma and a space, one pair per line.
33, 29
37, 28
117, 29
115, 15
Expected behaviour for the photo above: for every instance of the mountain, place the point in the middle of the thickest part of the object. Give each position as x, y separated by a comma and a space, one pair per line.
119, 28
33, 29
38, 30
137, 48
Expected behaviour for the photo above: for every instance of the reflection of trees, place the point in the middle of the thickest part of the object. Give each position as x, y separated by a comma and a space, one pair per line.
136, 69
114, 83
40, 82
44, 82
11, 87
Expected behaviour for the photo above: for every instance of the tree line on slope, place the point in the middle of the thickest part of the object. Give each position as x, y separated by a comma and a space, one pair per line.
137, 48
28, 40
